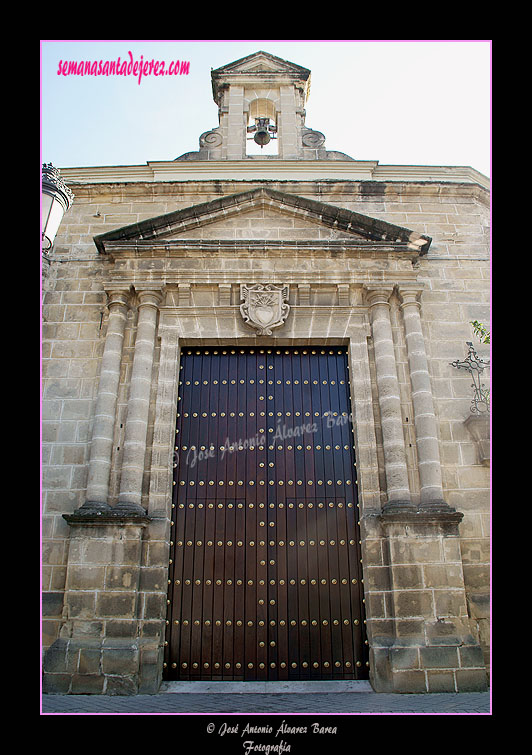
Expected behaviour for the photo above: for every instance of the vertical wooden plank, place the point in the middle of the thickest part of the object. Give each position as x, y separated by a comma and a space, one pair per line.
303, 668
360, 654
173, 615
208, 574
329, 379
348, 536
279, 630
245, 478
219, 572
196, 515
226, 661
313, 589
259, 495
200, 655
240, 588
285, 455
188, 499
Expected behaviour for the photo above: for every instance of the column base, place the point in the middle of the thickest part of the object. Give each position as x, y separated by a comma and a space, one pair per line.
94, 508
443, 514
399, 507
436, 506
127, 508
99, 512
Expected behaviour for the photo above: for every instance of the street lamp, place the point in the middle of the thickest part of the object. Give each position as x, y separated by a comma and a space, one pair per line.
56, 199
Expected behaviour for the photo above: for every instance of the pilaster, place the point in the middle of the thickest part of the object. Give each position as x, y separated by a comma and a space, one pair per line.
105, 412
427, 645
429, 462
102, 647
236, 133
398, 489
289, 136
130, 495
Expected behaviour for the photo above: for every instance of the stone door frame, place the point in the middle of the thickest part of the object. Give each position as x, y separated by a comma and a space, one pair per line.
352, 332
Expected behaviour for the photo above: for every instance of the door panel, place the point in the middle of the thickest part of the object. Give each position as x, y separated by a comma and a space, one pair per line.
265, 572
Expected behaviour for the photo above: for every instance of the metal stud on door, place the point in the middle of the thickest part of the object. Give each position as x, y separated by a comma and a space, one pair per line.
265, 573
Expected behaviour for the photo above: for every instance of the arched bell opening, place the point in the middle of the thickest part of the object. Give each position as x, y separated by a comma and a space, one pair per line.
262, 128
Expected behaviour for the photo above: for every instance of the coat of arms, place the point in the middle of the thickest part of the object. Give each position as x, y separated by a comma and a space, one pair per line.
265, 306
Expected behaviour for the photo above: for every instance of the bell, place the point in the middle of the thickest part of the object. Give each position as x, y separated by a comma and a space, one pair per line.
262, 136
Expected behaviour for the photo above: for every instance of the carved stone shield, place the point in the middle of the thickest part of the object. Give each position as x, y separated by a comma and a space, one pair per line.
264, 306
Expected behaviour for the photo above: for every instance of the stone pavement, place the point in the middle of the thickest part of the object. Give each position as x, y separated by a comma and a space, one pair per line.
215, 699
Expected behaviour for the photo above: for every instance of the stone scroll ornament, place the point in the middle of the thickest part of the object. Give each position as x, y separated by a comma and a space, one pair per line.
313, 139
265, 306
210, 139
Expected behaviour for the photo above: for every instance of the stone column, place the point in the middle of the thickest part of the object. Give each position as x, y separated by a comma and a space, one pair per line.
100, 649
398, 489
105, 412
429, 463
236, 133
130, 495
426, 643
288, 132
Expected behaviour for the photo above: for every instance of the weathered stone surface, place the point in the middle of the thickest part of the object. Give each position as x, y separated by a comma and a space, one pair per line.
394, 267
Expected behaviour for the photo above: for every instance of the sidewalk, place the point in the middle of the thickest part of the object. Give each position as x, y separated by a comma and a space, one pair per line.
359, 699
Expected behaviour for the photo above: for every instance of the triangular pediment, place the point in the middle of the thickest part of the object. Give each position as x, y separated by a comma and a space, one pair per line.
261, 61
266, 214
267, 221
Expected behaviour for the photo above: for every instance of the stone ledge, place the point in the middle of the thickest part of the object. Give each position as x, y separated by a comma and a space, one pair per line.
94, 512
421, 517
74, 519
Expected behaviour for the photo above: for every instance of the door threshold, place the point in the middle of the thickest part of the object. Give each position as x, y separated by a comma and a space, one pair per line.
272, 688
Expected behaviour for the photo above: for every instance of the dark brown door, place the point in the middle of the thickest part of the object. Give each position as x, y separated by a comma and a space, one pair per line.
265, 572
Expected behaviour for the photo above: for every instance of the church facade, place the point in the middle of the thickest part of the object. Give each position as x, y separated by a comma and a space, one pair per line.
259, 462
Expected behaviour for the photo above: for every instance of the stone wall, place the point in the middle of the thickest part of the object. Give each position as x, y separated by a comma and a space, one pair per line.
455, 277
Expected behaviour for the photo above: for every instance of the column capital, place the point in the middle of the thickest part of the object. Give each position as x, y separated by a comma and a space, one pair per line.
410, 293
150, 294
378, 293
117, 293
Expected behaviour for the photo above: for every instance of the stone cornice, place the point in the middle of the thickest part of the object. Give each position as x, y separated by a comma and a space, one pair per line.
189, 247
205, 277
251, 169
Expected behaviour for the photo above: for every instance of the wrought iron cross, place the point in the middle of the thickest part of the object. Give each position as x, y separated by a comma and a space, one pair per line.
475, 365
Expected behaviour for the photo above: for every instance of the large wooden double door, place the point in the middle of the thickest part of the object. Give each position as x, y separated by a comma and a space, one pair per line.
265, 566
